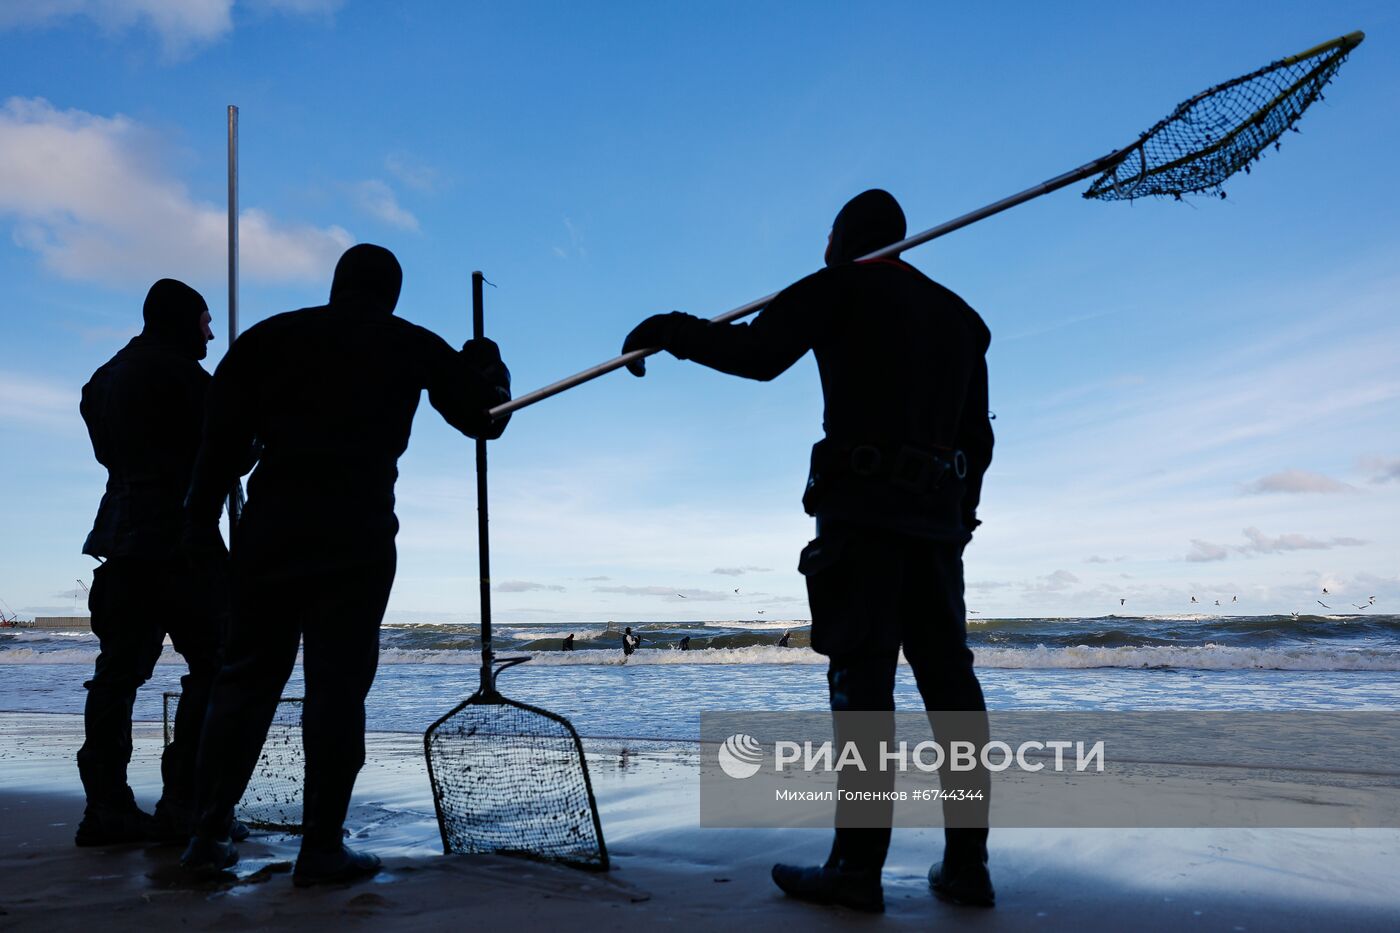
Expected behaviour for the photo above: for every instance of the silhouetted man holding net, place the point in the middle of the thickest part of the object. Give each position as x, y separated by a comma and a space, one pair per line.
894, 487
329, 393
144, 408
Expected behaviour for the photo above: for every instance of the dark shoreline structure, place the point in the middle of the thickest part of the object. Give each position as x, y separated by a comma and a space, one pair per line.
83, 623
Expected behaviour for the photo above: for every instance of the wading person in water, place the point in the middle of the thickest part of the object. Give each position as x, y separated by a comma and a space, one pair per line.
329, 393
894, 487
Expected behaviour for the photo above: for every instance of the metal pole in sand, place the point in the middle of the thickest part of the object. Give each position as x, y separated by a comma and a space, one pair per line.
234, 499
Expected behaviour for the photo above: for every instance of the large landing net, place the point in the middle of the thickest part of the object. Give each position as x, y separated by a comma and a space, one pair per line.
274, 795
511, 778
1222, 130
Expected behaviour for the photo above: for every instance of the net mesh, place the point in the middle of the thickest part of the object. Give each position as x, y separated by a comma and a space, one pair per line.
512, 778
274, 795
1220, 131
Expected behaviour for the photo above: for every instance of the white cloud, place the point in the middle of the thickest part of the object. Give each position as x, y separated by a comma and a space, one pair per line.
87, 194
1205, 552
526, 586
415, 174
1382, 470
377, 200
1260, 543
1055, 582
575, 249
1297, 481
181, 25
739, 571
667, 592
33, 403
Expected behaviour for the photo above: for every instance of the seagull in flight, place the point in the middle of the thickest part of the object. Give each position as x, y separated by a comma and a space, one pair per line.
762, 611
1194, 600
736, 589
1323, 605
681, 595
1324, 591
1122, 602
1362, 605
1234, 599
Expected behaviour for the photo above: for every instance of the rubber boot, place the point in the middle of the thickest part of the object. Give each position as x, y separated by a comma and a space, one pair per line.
962, 878
833, 883
336, 866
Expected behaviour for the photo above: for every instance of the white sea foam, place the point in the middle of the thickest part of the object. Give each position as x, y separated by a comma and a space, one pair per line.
1201, 657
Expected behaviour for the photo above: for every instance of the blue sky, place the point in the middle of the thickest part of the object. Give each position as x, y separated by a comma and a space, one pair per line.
1193, 398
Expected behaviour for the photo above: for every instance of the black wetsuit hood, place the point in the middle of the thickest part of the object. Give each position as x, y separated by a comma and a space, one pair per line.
172, 314
869, 220
367, 277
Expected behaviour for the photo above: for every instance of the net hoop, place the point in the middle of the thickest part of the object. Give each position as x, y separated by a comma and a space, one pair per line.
1190, 168
490, 697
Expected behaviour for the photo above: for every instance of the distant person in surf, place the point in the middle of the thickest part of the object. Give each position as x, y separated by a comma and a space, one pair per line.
144, 409
894, 487
783, 642
569, 642
685, 643
630, 642
330, 393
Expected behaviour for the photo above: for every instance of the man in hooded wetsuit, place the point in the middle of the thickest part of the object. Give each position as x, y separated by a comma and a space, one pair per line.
894, 487
329, 393
144, 408
629, 642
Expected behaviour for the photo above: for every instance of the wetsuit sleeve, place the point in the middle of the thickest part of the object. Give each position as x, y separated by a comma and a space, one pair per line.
228, 447
975, 439
463, 385
791, 324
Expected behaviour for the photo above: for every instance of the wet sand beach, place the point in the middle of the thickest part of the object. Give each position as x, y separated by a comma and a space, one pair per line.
668, 873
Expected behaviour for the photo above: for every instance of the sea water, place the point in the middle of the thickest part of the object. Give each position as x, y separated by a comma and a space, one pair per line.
1204, 662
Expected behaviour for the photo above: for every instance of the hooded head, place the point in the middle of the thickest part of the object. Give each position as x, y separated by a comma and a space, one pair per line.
367, 276
869, 220
174, 314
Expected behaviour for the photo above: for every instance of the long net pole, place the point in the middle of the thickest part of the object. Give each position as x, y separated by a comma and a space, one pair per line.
1087, 170
483, 532
234, 499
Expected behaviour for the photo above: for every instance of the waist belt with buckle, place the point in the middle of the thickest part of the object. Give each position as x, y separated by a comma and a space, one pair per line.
907, 467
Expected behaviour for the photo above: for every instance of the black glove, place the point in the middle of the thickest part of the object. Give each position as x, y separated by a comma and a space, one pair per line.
655, 332
483, 357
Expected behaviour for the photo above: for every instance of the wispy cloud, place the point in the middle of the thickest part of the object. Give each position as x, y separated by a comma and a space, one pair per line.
36, 403
378, 200
575, 248
1260, 543
666, 592
1296, 481
413, 172
740, 571
87, 194
1381, 470
526, 586
182, 26
1055, 582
